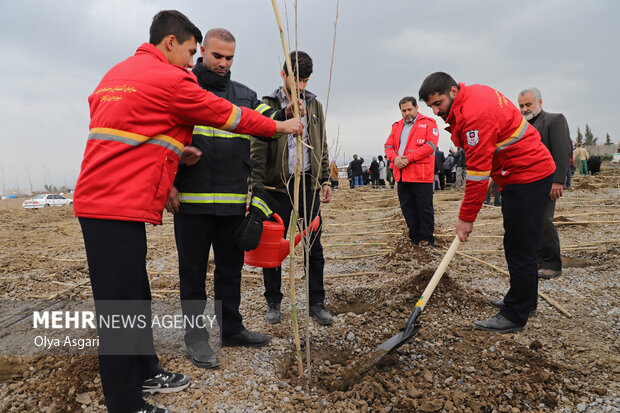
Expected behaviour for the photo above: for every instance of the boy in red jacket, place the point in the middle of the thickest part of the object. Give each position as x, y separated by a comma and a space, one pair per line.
142, 116
499, 144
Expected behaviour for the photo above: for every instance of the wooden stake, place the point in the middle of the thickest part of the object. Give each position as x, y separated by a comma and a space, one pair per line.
590, 213
353, 274
364, 233
584, 222
368, 222
471, 236
293, 221
351, 257
362, 210
360, 244
53, 296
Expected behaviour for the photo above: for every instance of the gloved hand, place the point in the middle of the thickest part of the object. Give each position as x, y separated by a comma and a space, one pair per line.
249, 232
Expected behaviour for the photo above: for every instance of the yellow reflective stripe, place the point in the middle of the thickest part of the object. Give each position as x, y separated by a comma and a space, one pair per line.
169, 140
262, 205
211, 198
515, 137
477, 175
214, 132
121, 133
262, 108
233, 119
135, 139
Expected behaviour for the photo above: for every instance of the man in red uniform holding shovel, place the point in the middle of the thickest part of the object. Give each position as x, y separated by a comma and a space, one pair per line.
142, 115
499, 144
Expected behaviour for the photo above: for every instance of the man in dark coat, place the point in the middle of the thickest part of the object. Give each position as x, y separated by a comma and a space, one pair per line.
554, 134
439, 171
594, 164
356, 170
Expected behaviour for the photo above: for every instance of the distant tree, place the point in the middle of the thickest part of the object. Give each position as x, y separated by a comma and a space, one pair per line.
579, 136
590, 139
608, 140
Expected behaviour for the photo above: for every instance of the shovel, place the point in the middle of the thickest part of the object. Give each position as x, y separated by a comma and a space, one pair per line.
411, 327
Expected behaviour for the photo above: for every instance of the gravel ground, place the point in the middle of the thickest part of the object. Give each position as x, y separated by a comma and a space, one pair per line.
559, 363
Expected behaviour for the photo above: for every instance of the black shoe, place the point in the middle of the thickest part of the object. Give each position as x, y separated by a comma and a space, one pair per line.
147, 408
500, 304
246, 338
321, 315
201, 355
165, 382
274, 315
547, 274
427, 243
498, 324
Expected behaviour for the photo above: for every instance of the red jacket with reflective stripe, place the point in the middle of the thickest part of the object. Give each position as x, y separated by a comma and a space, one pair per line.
142, 115
420, 150
498, 142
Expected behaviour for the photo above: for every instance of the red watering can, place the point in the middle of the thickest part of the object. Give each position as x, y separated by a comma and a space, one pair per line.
273, 248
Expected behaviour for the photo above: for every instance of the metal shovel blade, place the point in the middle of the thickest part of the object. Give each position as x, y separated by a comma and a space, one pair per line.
400, 338
411, 327
396, 340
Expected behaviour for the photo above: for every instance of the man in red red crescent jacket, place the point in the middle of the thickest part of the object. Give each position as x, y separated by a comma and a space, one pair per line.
142, 116
499, 144
411, 150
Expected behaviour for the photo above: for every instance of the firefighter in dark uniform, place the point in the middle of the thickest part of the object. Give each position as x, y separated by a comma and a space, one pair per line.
209, 202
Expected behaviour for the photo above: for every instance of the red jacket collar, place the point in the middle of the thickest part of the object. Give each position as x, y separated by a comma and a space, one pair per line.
419, 118
148, 48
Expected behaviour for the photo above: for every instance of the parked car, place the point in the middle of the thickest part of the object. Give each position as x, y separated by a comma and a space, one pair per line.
45, 200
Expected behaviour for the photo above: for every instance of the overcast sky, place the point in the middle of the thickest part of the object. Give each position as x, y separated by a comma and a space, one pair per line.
55, 53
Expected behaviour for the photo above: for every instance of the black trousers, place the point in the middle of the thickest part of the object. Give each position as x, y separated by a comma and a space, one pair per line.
549, 256
442, 180
195, 234
523, 207
416, 202
273, 276
116, 254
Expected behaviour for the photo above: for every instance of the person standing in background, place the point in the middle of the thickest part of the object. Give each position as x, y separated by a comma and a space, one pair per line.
411, 148
356, 171
555, 135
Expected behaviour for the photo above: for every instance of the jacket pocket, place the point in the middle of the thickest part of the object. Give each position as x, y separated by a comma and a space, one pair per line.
169, 167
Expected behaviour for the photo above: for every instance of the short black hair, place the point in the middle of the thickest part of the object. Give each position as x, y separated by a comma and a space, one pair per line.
304, 63
173, 22
438, 82
221, 34
407, 99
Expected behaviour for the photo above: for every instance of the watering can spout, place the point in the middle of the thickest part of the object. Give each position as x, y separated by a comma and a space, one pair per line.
285, 245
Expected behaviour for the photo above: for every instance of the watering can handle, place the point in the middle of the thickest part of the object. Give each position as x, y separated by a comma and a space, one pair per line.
277, 217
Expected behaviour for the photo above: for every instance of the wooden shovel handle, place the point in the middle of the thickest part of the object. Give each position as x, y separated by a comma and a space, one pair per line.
428, 291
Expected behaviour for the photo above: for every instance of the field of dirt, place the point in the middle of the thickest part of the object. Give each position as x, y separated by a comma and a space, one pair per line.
567, 359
